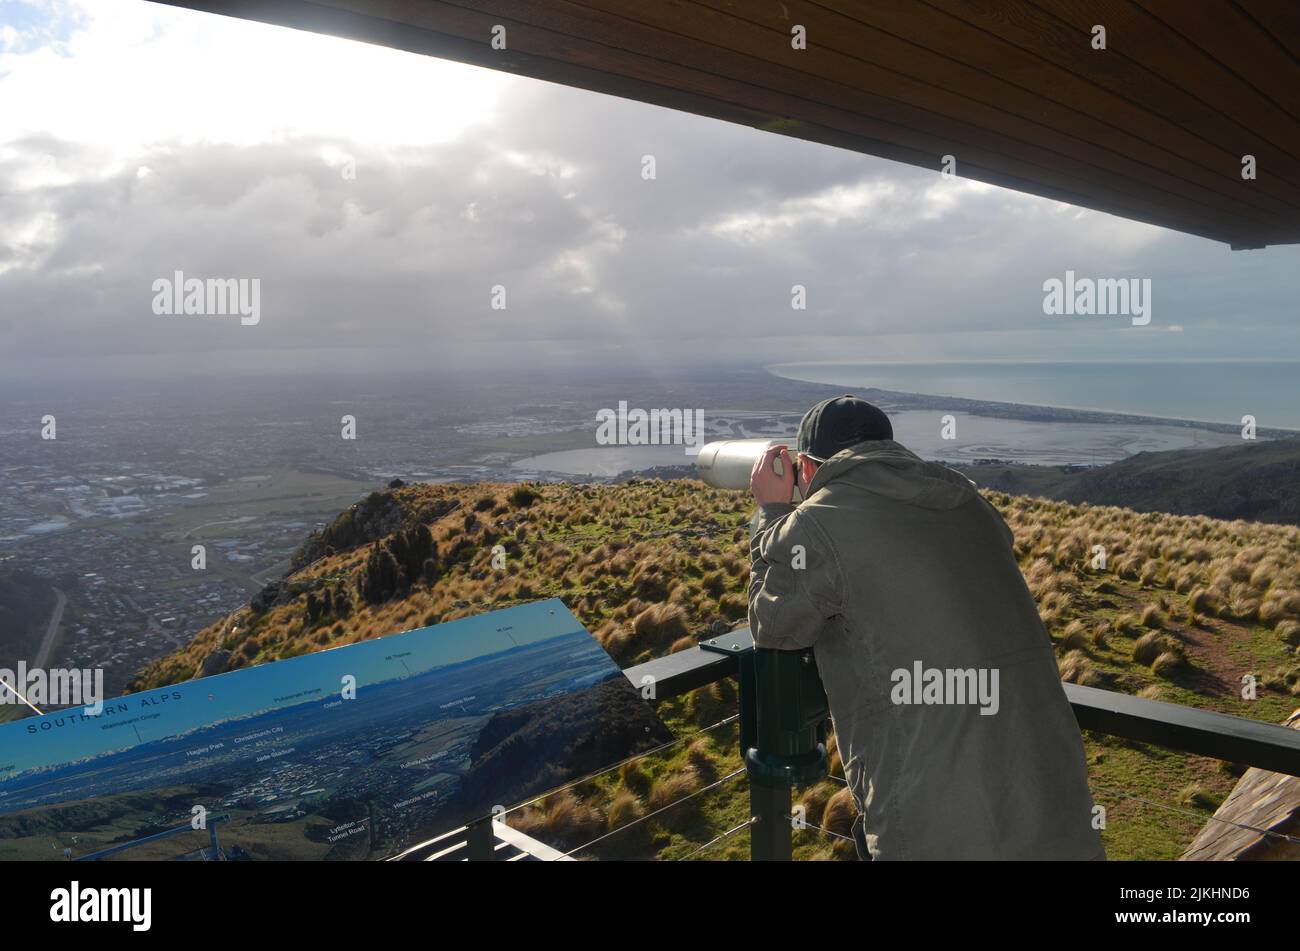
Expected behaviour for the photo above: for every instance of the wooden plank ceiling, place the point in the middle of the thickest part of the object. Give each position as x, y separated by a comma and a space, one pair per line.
1152, 128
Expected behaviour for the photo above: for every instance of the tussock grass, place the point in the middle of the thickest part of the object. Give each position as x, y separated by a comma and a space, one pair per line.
652, 567
1152, 644
1128, 625
838, 818
1289, 632
673, 788
1152, 616
1075, 636
625, 807
563, 819
1167, 664
1076, 668
1194, 796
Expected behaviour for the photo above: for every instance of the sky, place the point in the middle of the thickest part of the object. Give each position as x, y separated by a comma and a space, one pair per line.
378, 197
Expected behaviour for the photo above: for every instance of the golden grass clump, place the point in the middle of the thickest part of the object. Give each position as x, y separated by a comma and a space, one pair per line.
632, 776
1127, 625
1075, 636
659, 625
562, 818
839, 813
814, 800
838, 817
1076, 668
1289, 631
673, 787
1194, 796
625, 807
1152, 644
1150, 573
1203, 601
700, 756
1153, 617
708, 704
1167, 664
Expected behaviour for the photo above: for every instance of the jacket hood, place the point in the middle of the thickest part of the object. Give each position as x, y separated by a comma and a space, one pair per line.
883, 467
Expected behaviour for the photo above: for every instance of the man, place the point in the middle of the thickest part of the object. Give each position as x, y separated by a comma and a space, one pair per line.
956, 736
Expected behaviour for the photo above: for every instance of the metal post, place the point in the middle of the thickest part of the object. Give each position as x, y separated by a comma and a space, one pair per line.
783, 713
782, 733
480, 841
770, 836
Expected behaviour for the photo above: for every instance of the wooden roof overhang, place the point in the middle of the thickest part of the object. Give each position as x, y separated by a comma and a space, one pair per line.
1154, 127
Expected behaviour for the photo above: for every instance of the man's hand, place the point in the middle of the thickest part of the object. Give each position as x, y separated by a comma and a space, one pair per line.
766, 485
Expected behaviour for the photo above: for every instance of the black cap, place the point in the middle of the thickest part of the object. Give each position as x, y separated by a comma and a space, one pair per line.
841, 422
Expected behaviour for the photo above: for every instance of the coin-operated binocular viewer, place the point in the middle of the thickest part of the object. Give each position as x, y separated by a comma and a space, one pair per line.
726, 464
783, 710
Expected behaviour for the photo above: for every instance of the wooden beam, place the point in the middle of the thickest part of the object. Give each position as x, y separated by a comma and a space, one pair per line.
1153, 128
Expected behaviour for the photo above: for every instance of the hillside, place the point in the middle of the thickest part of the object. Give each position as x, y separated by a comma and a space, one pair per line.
1184, 606
1256, 481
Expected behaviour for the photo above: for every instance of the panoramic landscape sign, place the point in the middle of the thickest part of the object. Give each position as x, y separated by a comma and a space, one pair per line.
353, 753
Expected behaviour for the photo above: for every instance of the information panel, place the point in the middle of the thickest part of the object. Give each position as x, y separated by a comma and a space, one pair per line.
353, 753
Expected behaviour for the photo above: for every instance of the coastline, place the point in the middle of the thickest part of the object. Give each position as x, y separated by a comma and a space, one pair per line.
1028, 412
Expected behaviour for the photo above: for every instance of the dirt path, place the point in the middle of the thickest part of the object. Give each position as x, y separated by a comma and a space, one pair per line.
1214, 671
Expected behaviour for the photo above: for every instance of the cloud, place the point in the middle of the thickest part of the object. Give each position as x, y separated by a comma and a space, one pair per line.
380, 196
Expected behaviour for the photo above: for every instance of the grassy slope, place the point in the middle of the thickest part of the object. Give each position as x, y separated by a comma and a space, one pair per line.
652, 566
1255, 480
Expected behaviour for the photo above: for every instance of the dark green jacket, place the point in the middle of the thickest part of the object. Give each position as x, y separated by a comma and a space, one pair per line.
894, 567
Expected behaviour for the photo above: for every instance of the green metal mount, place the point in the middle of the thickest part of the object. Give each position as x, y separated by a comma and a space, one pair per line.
783, 715
783, 712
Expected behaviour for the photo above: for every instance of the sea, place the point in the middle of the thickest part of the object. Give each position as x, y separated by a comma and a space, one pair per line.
1206, 391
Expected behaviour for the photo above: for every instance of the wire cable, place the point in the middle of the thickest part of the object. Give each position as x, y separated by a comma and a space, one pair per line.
651, 815
749, 822
620, 764
808, 825
744, 825
1201, 818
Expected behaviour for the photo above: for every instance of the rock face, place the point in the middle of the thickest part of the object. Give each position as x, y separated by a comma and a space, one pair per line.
265, 599
1263, 801
214, 663
394, 564
379, 515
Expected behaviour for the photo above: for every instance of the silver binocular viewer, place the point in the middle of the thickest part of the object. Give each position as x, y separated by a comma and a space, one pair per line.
727, 463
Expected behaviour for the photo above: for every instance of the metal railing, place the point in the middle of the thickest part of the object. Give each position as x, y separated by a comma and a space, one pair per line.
483, 840
1169, 725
